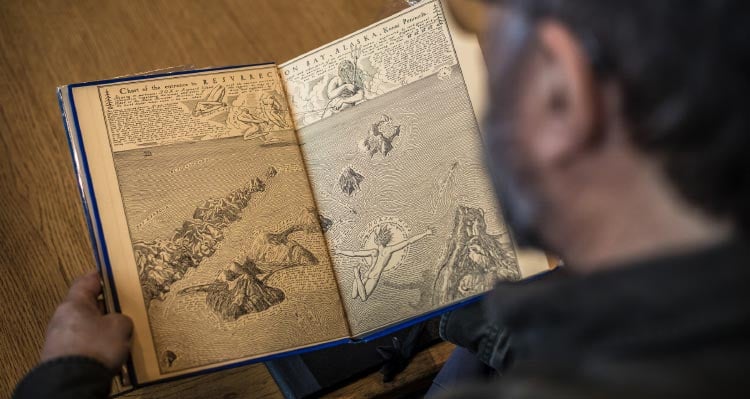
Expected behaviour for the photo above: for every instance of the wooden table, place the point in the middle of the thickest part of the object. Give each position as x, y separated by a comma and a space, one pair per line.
44, 244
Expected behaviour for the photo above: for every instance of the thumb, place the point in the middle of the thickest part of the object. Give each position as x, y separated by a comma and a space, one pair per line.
119, 324
85, 290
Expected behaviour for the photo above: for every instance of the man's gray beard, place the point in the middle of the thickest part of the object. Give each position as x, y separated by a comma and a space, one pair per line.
519, 209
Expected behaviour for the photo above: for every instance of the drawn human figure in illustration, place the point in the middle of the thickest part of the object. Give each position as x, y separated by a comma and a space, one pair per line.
252, 124
379, 259
272, 109
259, 122
475, 259
345, 90
380, 137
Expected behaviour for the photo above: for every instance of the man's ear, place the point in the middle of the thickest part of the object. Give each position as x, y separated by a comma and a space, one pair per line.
565, 99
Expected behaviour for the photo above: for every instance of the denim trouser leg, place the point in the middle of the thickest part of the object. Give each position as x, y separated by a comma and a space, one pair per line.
462, 367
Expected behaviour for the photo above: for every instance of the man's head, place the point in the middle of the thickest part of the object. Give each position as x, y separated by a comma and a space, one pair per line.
620, 119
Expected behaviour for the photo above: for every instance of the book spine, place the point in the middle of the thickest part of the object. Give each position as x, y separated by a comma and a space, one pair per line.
122, 384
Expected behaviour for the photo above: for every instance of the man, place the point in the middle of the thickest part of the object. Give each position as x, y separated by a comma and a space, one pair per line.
617, 138
83, 349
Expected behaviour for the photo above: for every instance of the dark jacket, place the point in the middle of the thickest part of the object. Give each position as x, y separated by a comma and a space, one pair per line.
66, 377
676, 326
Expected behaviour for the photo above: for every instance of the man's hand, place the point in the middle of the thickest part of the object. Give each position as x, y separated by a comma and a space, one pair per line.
78, 327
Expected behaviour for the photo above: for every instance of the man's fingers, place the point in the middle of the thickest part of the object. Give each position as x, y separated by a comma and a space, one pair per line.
85, 289
101, 306
120, 323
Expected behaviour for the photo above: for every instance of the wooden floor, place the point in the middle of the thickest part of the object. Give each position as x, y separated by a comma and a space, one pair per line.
45, 43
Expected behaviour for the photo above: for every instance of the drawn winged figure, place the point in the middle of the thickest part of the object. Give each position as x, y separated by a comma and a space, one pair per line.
378, 259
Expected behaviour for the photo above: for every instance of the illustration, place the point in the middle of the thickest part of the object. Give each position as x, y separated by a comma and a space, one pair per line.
278, 249
162, 262
347, 89
420, 176
238, 291
380, 137
259, 122
325, 223
241, 288
444, 72
349, 181
213, 102
475, 259
168, 358
378, 259
442, 190
352, 79
220, 219
251, 115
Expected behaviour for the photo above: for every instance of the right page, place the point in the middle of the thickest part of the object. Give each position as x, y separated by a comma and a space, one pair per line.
387, 123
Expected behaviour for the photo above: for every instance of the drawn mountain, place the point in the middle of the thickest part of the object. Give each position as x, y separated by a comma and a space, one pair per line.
162, 262
240, 291
380, 137
325, 223
271, 172
278, 250
475, 260
313, 222
349, 181
308, 220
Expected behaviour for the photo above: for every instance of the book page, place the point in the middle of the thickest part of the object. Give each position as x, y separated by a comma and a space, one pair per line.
387, 122
210, 225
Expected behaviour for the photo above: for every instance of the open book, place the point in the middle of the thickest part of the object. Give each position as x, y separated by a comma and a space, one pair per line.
242, 213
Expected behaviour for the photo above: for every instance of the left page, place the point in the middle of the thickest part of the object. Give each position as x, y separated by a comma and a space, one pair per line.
211, 231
